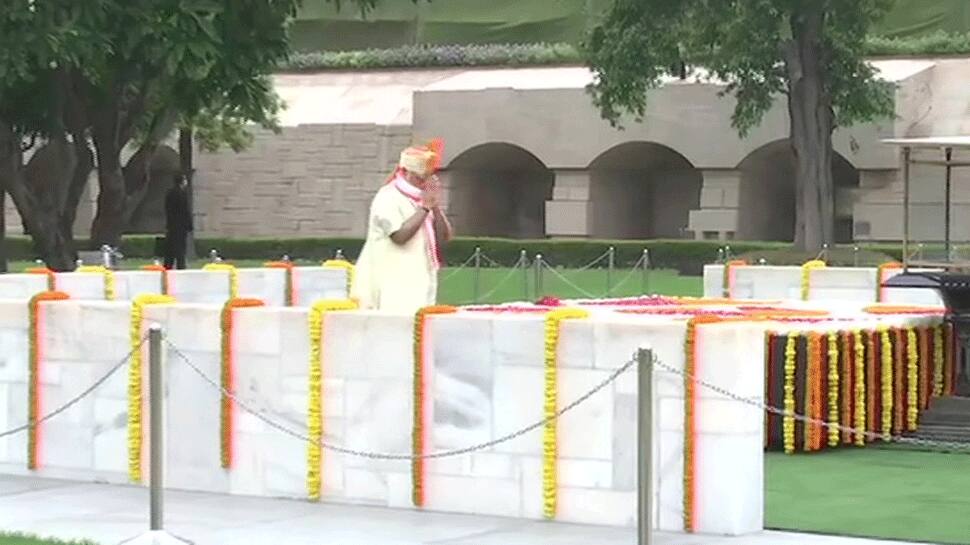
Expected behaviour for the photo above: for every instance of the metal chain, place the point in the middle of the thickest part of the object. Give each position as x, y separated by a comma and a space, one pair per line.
518, 266
387, 456
458, 270
939, 445
78, 398
633, 271
569, 282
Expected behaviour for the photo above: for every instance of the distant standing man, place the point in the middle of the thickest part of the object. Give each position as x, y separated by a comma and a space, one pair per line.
178, 222
398, 267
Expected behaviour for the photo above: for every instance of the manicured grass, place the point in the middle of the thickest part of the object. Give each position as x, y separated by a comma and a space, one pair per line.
22, 539
872, 492
496, 285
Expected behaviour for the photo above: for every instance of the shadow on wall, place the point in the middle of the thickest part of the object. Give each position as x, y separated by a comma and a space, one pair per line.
766, 196
498, 190
642, 190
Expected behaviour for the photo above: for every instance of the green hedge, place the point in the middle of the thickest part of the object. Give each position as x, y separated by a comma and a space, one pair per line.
436, 56
685, 256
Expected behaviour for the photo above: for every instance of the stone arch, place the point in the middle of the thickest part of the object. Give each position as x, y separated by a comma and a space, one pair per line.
149, 215
642, 190
766, 195
498, 189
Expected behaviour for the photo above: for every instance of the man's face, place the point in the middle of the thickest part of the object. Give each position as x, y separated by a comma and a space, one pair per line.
416, 180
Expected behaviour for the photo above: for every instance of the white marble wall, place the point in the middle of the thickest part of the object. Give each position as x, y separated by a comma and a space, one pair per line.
130, 284
21, 286
316, 283
829, 284
88, 286
486, 381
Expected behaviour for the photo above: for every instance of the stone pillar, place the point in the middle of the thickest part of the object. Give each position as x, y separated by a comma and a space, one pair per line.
717, 217
568, 214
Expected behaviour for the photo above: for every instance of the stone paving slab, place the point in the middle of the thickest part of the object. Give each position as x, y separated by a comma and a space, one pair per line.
110, 514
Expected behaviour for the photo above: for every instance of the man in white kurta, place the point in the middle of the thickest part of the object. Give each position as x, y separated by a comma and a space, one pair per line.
398, 267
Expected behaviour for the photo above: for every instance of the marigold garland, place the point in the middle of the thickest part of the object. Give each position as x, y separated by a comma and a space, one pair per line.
903, 309
807, 269
881, 277
33, 383
886, 354
728, 281
912, 384
550, 406
925, 367
938, 355
900, 376
788, 423
227, 376
163, 272
289, 270
345, 265
315, 399
812, 385
949, 351
833, 361
848, 383
51, 277
420, 388
233, 276
860, 388
109, 279
871, 381
135, 380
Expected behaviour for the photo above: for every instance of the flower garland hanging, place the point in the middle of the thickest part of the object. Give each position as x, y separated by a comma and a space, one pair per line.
900, 376
848, 383
728, 281
807, 269
227, 380
135, 380
812, 385
833, 380
109, 279
345, 265
925, 367
290, 288
690, 418
51, 277
163, 272
949, 356
419, 440
788, 424
33, 384
314, 451
871, 380
938, 355
904, 309
886, 354
860, 388
550, 488
912, 381
881, 277
233, 276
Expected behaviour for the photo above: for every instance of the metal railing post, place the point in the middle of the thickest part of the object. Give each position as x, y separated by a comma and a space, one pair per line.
645, 273
477, 282
644, 444
156, 391
538, 276
611, 263
524, 262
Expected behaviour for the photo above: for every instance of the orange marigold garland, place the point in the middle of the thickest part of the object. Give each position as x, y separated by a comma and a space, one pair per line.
881, 277
938, 361
728, 281
925, 367
690, 418
950, 356
871, 382
227, 378
290, 288
51, 277
163, 273
33, 384
420, 420
812, 376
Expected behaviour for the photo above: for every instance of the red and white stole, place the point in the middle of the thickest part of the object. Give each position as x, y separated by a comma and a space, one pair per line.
414, 195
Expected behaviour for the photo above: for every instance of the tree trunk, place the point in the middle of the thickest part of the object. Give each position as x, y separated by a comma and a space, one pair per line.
43, 222
3, 230
812, 123
79, 180
109, 220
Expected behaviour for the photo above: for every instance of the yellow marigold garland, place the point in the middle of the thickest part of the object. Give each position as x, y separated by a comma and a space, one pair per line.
812, 380
912, 384
860, 388
315, 397
886, 356
135, 381
418, 430
949, 357
938, 355
345, 265
227, 378
33, 383
728, 281
833, 429
109, 279
233, 276
807, 269
788, 423
550, 486
881, 277
290, 288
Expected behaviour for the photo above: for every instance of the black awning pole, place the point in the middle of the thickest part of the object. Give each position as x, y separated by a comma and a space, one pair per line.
906, 155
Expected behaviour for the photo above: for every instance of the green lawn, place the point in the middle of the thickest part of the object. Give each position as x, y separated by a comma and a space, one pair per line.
22, 539
496, 285
872, 492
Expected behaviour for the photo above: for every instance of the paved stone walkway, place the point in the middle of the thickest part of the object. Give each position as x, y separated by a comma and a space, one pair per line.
110, 514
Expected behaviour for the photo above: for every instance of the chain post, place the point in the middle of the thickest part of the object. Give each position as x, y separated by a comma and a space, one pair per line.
610, 264
645, 273
477, 281
855, 256
644, 444
720, 256
524, 262
538, 276
339, 254
155, 392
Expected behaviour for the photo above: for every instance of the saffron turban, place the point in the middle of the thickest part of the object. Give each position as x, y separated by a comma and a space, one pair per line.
422, 160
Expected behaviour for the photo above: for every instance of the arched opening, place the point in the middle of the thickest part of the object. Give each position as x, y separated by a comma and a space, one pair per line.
766, 198
149, 216
498, 190
642, 190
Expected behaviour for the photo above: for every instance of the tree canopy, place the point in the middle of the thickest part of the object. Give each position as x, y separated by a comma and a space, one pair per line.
809, 51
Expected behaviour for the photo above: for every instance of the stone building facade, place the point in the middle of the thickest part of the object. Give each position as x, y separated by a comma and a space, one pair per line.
528, 156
